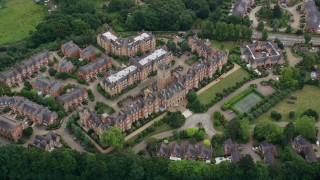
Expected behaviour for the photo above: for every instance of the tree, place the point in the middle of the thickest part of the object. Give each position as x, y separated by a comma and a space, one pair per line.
175, 119
288, 133
151, 144
245, 129
264, 35
267, 130
277, 11
43, 68
307, 38
87, 142
171, 46
287, 77
288, 29
311, 113
28, 131
260, 26
113, 137
305, 126
275, 25
192, 96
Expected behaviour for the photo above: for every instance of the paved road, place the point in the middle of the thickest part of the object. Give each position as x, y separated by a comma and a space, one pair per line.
288, 40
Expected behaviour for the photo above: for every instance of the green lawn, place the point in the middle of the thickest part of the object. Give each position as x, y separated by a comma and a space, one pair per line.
227, 44
308, 97
18, 18
237, 76
163, 128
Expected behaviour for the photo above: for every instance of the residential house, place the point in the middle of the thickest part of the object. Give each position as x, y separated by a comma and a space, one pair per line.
312, 15
261, 53
64, 67
93, 68
25, 68
230, 148
143, 42
172, 95
37, 113
303, 147
46, 86
73, 98
163, 150
268, 152
88, 53
46, 142
10, 129
70, 49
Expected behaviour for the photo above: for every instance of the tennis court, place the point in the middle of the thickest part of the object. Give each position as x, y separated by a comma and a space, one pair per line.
245, 104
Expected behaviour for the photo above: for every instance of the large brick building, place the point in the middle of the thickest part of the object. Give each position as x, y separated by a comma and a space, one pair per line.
25, 68
10, 129
73, 98
143, 42
202, 47
93, 68
261, 53
46, 86
88, 53
37, 113
125, 118
139, 70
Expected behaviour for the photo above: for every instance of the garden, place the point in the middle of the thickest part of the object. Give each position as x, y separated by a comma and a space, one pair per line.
230, 81
306, 98
17, 19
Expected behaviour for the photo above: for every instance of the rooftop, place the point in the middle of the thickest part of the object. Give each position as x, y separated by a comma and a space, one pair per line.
115, 77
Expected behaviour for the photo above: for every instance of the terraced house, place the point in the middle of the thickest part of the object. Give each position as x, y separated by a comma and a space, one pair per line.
261, 53
143, 42
202, 47
93, 68
25, 68
10, 129
175, 152
73, 98
46, 142
46, 86
37, 113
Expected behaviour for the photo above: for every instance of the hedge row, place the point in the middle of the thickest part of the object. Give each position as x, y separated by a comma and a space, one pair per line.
236, 98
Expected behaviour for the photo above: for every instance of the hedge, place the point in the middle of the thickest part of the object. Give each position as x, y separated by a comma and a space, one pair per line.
236, 98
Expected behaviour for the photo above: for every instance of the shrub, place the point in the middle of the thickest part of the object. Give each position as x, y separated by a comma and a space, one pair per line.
28, 131
291, 114
312, 113
275, 115
207, 143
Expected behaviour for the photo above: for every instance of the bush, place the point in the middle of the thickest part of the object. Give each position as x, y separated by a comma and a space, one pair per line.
291, 114
275, 115
312, 113
207, 143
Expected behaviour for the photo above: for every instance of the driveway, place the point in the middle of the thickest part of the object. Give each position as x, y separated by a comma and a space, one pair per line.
292, 60
296, 17
203, 118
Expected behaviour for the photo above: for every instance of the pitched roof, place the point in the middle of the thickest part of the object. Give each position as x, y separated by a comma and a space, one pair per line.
171, 90
94, 65
72, 95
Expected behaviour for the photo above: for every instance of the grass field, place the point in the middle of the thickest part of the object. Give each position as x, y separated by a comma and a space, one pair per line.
237, 76
246, 103
227, 44
163, 128
18, 18
308, 97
